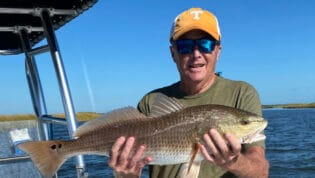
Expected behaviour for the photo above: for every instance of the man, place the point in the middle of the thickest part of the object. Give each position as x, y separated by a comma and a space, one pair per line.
195, 48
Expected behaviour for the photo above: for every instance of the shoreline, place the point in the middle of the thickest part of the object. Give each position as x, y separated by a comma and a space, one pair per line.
289, 106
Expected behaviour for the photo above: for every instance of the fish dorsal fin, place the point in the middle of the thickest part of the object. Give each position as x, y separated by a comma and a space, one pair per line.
118, 115
164, 105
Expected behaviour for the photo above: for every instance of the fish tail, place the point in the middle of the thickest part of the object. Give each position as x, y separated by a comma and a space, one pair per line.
48, 156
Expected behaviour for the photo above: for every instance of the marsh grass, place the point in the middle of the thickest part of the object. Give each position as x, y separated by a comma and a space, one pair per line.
290, 106
81, 116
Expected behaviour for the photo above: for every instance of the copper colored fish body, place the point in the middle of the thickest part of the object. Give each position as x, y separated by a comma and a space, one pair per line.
170, 134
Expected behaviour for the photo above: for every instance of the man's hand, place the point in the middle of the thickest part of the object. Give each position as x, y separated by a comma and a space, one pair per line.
223, 152
226, 153
124, 164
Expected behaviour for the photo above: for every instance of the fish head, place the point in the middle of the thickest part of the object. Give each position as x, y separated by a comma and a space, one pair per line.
250, 129
245, 126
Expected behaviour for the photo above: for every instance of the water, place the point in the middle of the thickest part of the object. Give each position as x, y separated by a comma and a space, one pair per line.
290, 146
291, 142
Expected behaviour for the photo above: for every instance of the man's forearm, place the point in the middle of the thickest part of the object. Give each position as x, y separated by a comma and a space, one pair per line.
251, 164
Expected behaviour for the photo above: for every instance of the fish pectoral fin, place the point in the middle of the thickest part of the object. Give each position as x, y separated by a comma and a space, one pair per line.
191, 169
195, 152
193, 172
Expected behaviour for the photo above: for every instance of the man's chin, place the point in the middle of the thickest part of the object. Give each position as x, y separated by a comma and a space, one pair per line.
195, 79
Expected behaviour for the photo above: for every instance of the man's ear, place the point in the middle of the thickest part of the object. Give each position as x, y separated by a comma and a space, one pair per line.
219, 47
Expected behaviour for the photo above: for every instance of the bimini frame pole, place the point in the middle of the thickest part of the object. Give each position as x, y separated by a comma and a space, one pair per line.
63, 83
36, 90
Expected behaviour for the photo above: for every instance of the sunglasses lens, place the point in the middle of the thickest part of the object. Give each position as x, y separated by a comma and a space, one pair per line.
185, 46
206, 45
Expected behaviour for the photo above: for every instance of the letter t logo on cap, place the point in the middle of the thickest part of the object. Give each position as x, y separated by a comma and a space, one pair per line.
196, 14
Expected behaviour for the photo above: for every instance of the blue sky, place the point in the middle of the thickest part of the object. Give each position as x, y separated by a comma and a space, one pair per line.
118, 50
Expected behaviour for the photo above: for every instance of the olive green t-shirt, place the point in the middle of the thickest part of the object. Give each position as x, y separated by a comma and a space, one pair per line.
226, 92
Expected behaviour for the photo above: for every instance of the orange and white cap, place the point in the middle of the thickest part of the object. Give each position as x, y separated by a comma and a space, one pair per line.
195, 19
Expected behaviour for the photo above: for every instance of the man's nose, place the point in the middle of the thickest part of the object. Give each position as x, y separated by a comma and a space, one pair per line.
196, 51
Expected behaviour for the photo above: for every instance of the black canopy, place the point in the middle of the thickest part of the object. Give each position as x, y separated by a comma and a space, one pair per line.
25, 14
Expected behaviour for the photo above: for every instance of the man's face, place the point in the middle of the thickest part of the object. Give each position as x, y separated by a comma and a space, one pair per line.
197, 66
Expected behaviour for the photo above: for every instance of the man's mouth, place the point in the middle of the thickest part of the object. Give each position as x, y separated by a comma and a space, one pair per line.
196, 65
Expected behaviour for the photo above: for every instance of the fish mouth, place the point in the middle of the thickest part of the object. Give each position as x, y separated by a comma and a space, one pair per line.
254, 136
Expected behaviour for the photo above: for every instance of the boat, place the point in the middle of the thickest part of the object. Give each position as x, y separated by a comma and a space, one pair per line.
24, 25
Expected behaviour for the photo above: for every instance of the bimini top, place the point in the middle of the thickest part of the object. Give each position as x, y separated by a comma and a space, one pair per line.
25, 14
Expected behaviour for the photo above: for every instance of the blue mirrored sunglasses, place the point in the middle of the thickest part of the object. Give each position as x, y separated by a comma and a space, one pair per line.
187, 46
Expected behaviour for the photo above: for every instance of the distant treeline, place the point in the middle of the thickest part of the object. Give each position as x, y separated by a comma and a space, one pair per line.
288, 106
81, 116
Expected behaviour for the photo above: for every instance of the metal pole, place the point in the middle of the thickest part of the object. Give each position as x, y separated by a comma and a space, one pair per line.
63, 84
34, 11
35, 87
39, 50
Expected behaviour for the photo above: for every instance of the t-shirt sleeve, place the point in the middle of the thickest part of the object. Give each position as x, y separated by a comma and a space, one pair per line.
249, 99
145, 103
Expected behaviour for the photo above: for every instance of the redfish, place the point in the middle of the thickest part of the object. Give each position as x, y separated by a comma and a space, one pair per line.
171, 134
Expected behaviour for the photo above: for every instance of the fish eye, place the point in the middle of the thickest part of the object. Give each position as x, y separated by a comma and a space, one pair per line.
244, 122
